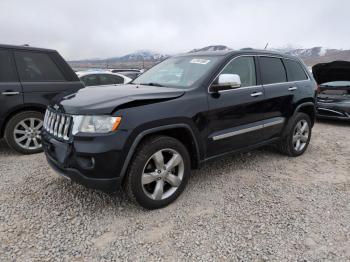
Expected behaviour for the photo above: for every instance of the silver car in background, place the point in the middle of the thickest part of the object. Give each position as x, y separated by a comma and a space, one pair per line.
100, 78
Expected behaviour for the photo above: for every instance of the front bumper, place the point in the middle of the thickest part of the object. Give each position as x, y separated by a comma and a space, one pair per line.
104, 184
94, 162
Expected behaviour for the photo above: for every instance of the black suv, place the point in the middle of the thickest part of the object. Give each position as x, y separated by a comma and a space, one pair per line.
147, 135
29, 78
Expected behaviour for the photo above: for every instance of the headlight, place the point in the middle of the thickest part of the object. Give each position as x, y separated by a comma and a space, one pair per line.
95, 124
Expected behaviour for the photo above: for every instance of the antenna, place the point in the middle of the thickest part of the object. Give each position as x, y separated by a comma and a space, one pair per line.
267, 44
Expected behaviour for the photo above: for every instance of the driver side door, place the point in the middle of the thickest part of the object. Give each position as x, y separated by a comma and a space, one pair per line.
235, 118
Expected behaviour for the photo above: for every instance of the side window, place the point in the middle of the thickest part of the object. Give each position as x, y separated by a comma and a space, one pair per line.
37, 67
118, 80
7, 67
111, 79
294, 71
90, 80
106, 79
272, 70
244, 67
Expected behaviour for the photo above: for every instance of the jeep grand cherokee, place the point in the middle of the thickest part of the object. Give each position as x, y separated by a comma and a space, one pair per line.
147, 135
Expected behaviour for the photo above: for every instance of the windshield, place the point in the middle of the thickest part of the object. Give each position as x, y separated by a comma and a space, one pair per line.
178, 71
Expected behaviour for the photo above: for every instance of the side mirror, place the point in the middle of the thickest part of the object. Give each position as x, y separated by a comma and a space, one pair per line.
226, 82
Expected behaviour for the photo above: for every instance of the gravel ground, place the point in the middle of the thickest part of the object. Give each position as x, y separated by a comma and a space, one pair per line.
257, 206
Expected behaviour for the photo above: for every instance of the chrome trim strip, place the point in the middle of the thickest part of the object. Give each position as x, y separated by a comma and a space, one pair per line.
238, 132
277, 122
10, 93
330, 110
246, 130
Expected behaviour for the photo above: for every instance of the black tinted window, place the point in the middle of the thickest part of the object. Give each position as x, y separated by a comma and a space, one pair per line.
7, 68
37, 67
295, 71
90, 80
110, 79
118, 80
244, 67
272, 70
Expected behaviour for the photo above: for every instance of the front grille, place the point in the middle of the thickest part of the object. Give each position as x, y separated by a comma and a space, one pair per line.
57, 124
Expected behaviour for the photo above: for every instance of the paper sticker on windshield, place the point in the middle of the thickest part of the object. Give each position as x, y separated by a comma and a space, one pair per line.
199, 61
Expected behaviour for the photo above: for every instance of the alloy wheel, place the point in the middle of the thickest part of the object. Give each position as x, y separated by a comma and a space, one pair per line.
162, 174
27, 133
301, 135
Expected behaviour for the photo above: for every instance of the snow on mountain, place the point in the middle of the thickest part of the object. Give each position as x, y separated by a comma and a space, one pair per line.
310, 56
145, 55
211, 48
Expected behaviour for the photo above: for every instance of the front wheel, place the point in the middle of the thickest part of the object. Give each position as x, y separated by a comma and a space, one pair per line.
158, 172
23, 131
298, 138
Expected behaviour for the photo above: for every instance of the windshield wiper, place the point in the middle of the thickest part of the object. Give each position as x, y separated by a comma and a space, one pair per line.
151, 84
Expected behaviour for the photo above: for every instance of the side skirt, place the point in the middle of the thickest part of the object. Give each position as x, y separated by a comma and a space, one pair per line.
241, 150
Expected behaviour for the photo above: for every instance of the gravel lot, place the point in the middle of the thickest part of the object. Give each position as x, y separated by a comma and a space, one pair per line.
257, 206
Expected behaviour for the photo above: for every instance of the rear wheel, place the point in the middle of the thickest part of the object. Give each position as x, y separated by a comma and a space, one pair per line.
22, 132
298, 138
158, 172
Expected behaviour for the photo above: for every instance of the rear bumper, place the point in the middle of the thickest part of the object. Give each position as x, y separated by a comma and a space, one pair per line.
104, 184
333, 111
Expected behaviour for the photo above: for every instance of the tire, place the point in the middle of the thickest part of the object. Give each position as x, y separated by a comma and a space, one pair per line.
288, 144
23, 127
143, 181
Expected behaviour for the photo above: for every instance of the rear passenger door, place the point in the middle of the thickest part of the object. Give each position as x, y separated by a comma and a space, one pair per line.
279, 95
297, 75
11, 95
42, 77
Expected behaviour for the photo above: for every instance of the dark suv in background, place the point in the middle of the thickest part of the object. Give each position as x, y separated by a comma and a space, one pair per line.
188, 109
29, 78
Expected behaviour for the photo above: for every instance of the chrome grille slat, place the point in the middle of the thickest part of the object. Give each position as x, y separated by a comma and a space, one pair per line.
66, 129
57, 124
60, 126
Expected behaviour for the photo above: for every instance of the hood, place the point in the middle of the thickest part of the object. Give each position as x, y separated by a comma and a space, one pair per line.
100, 100
330, 72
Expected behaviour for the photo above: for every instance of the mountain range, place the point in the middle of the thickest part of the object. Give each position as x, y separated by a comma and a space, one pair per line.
311, 56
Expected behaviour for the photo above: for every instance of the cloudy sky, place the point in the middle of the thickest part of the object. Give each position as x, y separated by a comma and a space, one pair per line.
104, 28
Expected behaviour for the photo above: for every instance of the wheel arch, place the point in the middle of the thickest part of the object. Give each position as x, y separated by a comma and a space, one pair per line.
305, 107
182, 132
29, 107
308, 108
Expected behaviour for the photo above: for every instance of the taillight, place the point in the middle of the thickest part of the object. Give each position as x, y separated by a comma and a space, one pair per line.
318, 89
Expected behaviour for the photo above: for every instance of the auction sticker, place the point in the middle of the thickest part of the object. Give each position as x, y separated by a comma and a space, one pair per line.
199, 61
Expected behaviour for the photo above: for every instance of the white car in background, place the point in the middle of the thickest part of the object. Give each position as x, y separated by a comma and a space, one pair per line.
100, 78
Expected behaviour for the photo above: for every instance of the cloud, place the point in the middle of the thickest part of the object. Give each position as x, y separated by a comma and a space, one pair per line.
89, 29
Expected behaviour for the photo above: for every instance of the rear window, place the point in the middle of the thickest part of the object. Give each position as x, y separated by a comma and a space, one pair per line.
110, 79
90, 80
7, 67
37, 67
335, 92
272, 70
294, 71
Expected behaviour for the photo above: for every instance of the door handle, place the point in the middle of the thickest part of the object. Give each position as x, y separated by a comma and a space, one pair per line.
256, 94
10, 93
292, 88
